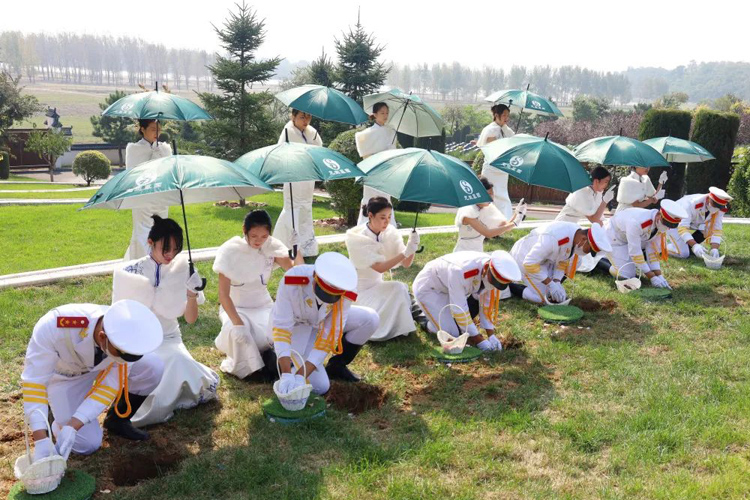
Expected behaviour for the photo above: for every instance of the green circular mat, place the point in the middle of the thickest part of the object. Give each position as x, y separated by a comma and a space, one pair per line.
653, 294
467, 355
315, 407
76, 485
560, 314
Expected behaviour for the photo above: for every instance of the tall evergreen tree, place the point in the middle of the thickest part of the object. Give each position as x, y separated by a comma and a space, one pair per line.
322, 71
242, 120
359, 72
116, 131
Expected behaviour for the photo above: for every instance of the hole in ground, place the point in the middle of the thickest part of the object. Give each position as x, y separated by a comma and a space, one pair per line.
132, 469
355, 397
591, 305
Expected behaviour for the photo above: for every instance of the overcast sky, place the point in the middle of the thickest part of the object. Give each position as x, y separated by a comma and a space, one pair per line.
602, 35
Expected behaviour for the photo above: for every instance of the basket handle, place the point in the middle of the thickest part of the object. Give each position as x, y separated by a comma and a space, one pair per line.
638, 271
304, 364
26, 431
441, 313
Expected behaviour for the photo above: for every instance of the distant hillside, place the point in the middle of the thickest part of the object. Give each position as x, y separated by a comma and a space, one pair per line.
699, 81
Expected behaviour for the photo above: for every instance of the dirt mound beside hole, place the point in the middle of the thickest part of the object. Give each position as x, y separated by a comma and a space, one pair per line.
133, 469
355, 398
333, 222
591, 305
510, 341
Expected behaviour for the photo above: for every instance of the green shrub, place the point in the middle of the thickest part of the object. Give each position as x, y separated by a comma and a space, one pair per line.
92, 165
661, 123
739, 184
717, 132
345, 193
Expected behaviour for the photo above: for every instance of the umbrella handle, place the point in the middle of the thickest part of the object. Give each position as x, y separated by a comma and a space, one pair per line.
190, 273
421, 249
293, 253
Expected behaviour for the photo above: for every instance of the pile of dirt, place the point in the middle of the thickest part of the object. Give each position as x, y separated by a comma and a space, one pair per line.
355, 398
591, 305
337, 223
510, 341
236, 204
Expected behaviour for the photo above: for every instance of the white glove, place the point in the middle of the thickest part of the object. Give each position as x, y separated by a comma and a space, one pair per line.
299, 381
609, 195
412, 244
715, 253
240, 334
557, 292
660, 195
495, 344
286, 383
699, 250
65, 440
42, 449
294, 239
194, 282
663, 178
660, 282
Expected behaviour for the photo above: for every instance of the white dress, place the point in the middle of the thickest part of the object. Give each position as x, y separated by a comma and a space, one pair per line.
469, 239
498, 178
135, 154
303, 198
186, 383
370, 141
580, 205
632, 188
390, 299
249, 271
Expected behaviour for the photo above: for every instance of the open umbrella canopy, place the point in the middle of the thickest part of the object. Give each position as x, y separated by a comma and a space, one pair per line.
416, 174
619, 151
177, 179
679, 150
156, 105
537, 161
525, 101
294, 162
408, 114
324, 103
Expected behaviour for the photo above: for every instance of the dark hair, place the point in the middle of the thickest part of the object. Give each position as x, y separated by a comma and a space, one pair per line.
375, 205
164, 230
499, 109
295, 112
377, 107
486, 182
144, 123
600, 173
257, 218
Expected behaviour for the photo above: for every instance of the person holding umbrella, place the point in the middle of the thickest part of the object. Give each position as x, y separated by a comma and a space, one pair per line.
244, 265
372, 140
375, 248
637, 191
158, 281
589, 202
300, 230
498, 129
147, 149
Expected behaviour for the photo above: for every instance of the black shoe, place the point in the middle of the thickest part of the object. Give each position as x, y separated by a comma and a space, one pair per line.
517, 289
269, 373
337, 365
604, 266
122, 426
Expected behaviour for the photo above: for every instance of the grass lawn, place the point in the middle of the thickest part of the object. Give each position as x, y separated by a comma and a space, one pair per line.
84, 194
41, 237
14, 177
32, 186
638, 400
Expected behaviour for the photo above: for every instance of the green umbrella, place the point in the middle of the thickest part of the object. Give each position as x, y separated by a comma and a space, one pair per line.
524, 102
420, 175
294, 162
679, 150
619, 151
408, 114
176, 180
324, 103
537, 161
156, 105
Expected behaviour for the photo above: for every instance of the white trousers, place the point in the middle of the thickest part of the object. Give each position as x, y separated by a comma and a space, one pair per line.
676, 245
624, 267
67, 393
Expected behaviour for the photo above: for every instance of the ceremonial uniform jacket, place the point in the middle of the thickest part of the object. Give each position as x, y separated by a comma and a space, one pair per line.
549, 246
696, 205
636, 228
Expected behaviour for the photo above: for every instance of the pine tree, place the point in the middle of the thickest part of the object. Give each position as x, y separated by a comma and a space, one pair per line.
359, 72
242, 120
116, 131
322, 71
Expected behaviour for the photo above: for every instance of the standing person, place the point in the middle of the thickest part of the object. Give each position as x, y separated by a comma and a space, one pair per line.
160, 282
483, 220
589, 202
147, 149
298, 130
705, 222
637, 191
372, 140
375, 248
498, 129
314, 316
244, 265
81, 360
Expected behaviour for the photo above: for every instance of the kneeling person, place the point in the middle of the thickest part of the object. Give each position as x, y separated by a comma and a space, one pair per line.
704, 222
82, 359
471, 282
314, 316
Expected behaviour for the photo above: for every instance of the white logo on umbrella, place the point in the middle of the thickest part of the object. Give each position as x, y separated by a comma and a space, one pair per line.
516, 161
332, 164
126, 107
466, 187
536, 105
145, 178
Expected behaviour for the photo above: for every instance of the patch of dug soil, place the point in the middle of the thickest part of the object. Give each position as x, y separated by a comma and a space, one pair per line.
510, 341
236, 204
591, 305
355, 398
734, 262
134, 468
337, 223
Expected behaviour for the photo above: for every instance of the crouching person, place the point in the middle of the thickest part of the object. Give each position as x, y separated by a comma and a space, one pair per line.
314, 315
83, 359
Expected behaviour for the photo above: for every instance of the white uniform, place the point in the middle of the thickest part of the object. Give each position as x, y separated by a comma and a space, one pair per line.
249, 271
580, 204
633, 188
699, 219
314, 329
546, 252
61, 371
389, 298
469, 239
135, 154
632, 233
303, 198
161, 288
498, 178
453, 279
370, 141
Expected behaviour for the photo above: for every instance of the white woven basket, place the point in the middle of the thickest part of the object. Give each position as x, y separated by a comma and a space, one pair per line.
630, 284
713, 263
45, 474
449, 343
296, 399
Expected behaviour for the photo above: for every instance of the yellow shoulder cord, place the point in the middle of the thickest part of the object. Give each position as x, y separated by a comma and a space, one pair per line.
710, 228
99, 379
333, 344
572, 269
664, 252
123, 375
491, 311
